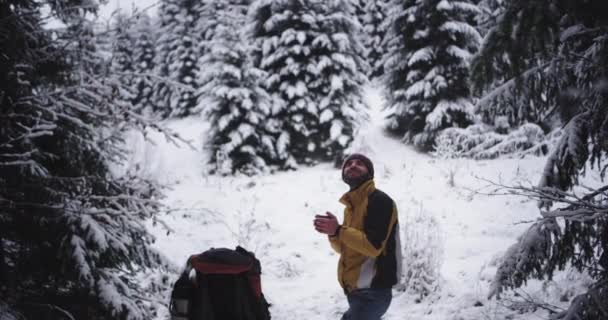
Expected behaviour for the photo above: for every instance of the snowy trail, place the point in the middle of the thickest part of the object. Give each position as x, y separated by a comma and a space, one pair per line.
272, 215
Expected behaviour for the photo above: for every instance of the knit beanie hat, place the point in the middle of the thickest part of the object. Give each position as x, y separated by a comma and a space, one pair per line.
366, 161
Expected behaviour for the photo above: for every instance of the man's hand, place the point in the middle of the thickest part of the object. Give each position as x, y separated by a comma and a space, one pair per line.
327, 224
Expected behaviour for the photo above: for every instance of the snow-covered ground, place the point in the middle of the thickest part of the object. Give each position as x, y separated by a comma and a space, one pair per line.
272, 216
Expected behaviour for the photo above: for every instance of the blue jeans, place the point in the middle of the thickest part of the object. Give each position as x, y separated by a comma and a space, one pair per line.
367, 304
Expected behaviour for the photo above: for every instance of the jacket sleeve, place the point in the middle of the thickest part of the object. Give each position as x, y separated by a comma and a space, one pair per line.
379, 221
335, 243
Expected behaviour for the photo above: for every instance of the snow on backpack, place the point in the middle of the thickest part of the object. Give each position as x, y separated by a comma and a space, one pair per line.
220, 284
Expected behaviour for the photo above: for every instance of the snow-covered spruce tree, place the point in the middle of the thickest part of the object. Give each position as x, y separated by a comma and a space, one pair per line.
358, 12
177, 58
573, 226
534, 98
163, 91
144, 34
489, 12
72, 235
426, 67
123, 62
374, 28
315, 72
122, 47
241, 137
359, 9
578, 241
208, 20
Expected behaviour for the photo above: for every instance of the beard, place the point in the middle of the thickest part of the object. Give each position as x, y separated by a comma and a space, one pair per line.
355, 182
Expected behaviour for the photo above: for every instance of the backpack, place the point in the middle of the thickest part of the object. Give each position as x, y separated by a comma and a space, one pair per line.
220, 284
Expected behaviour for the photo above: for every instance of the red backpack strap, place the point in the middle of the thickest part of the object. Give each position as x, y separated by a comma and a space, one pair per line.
216, 268
256, 284
206, 267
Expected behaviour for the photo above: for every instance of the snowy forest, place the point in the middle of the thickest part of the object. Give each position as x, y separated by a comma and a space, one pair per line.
276, 93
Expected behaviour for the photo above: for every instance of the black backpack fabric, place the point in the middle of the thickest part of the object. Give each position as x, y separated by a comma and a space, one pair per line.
220, 284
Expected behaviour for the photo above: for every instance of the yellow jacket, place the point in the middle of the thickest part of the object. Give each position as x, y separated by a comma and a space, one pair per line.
368, 240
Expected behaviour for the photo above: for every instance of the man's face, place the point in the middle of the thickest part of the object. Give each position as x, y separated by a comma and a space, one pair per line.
354, 168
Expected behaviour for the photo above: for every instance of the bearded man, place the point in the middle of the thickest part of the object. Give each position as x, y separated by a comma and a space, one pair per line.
367, 241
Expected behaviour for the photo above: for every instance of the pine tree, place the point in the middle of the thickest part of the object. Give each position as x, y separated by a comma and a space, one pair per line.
123, 63
144, 34
207, 22
358, 12
568, 44
426, 67
122, 59
375, 27
72, 234
241, 139
315, 73
489, 13
177, 58
534, 102
164, 90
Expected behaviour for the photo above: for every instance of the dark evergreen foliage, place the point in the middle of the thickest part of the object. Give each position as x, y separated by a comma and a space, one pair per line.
144, 35
534, 98
567, 44
177, 58
123, 60
208, 21
71, 233
374, 27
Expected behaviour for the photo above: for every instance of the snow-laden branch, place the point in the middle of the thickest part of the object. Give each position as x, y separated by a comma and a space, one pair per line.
177, 85
510, 84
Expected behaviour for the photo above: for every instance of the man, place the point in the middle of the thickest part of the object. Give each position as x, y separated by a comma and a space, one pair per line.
367, 241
